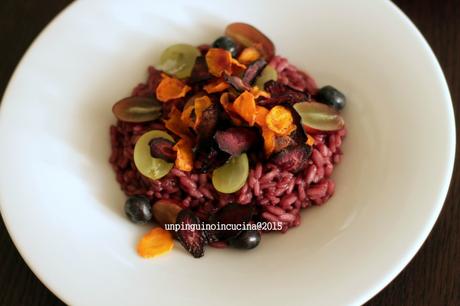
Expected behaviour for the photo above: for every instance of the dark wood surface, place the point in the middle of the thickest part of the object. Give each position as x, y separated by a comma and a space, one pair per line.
433, 275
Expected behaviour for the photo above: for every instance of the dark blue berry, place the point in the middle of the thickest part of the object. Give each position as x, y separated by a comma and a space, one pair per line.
331, 96
138, 209
246, 240
226, 43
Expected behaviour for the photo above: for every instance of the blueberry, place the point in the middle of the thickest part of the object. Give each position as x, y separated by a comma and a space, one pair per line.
331, 96
138, 209
226, 43
246, 240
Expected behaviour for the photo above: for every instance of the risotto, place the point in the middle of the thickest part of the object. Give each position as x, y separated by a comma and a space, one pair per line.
228, 133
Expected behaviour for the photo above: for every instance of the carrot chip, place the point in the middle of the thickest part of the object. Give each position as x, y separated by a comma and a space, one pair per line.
186, 115
171, 88
279, 120
310, 140
219, 61
249, 55
176, 125
237, 67
155, 243
257, 92
269, 141
201, 104
228, 107
184, 160
216, 86
245, 106
261, 114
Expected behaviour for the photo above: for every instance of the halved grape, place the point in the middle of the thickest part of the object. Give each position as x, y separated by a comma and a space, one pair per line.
318, 116
178, 60
165, 211
248, 36
137, 109
232, 176
154, 168
268, 74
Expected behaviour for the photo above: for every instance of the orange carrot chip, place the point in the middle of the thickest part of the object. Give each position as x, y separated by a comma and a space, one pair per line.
237, 67
228, 107
257, 92
249, 55
176, 125
184, 160
269, 141
310, 140
225, 100
216, 86
245, 106
279, 120
156, 242
171, 88
219, 61
186, 115
201, 104
261, 114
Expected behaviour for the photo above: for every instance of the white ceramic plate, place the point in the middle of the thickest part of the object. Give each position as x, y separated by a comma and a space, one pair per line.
63, 207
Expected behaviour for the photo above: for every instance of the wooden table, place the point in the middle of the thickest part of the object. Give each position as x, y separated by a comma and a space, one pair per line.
431, 278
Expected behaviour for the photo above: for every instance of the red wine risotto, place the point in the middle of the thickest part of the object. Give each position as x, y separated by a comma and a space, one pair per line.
224, 142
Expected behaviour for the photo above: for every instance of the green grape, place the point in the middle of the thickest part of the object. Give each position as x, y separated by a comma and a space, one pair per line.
318, 116
233, 175
268, 73
154, 168
178, 60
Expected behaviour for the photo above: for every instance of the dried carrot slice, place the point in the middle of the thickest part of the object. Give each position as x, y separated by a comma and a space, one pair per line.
310, 140
245, 106
272, 142
279, 120
269, 140
219, 61
228, 107
171, 88
237, 67
257, 92
184, 160
155, 243
186, 115
176, 125
224, 100
201, 104
249, 55
261, 114
216, 86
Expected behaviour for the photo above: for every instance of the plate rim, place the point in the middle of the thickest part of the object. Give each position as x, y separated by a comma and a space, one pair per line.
405, 258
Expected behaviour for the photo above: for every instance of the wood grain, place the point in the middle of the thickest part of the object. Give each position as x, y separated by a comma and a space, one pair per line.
433, 275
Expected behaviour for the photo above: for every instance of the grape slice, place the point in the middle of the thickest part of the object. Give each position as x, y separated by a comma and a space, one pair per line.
165, 211
248, 36
268, 74
318, 116
232, 175
153, 168
178, 60
137, 109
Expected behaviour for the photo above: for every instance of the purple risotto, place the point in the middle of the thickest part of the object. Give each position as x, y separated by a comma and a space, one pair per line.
224, 142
